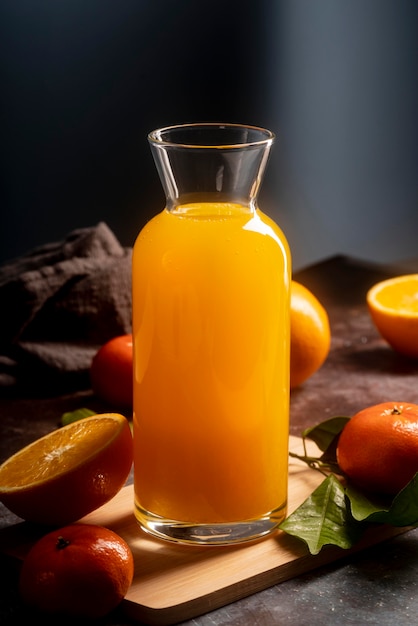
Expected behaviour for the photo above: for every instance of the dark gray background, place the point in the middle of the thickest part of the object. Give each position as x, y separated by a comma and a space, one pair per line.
84, 81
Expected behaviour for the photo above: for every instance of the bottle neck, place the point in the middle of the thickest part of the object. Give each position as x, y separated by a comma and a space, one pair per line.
208, 170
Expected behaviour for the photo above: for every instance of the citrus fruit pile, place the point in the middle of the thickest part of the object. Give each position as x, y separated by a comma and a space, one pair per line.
393, 307
378, 447
69, 472
79, 570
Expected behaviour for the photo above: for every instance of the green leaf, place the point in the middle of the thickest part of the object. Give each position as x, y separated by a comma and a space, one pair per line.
325, 433
402, 511
338, 515
324, 518
325, 436
74, 416
363, 506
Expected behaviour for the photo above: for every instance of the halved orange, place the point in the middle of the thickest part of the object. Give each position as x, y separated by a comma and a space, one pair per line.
69, 472
393, 307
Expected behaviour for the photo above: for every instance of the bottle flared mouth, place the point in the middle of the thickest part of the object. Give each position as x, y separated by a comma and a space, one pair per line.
211, 135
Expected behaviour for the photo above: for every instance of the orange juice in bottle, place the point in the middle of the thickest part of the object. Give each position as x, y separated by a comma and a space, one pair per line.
211, 292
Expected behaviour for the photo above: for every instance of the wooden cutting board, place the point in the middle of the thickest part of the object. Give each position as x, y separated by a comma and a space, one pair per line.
173, 583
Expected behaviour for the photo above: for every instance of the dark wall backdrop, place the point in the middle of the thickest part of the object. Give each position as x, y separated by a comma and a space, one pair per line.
348, 118
84, 81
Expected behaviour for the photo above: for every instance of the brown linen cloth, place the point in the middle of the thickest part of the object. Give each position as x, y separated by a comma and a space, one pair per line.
58, 304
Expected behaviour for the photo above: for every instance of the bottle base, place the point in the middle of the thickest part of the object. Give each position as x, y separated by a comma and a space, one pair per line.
209, 534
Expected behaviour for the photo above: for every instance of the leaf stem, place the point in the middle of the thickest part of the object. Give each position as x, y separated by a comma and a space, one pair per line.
314, 463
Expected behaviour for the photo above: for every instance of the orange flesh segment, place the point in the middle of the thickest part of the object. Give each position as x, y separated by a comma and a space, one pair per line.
407, 302
401, 297
58, 452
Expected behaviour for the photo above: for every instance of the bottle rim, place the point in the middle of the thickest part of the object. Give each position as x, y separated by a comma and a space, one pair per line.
175, 136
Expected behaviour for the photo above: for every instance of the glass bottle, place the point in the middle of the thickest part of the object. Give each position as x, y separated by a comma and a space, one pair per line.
211, 333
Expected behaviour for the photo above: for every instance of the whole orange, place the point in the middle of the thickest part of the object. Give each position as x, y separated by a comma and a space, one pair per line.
111, 372
310, 334
378, 447
70, 471
80, 570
